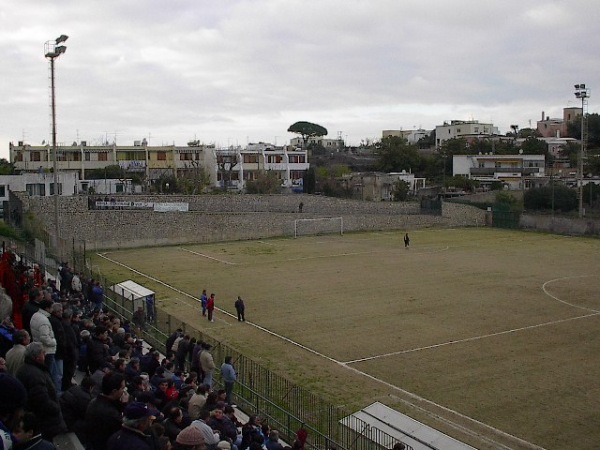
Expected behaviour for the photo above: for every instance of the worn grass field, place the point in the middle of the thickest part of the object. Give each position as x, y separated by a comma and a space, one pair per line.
479, 332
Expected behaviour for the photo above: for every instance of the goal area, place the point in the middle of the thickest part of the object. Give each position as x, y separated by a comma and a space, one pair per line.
321, 225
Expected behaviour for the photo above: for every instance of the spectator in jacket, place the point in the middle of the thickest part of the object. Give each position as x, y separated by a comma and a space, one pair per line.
182, 352
97, 349
30, 436
103, 416
174, 423
42, 398
207, 364
16, 355
132, 435
197, 402
58, 329
73, 404
14, 398
31, 307
229, 377
190, 438
71, 349
41, 331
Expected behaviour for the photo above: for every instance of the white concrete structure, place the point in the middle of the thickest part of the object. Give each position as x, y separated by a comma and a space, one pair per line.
411, 136
237, 165
37, 184
462, 128
512, 170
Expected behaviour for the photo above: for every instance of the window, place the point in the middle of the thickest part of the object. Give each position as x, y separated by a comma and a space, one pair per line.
119, 188
185, 156
77, 156
52, 188
87, 156
250, 158
2, 191
161, 156
35, 156
103, 156
19, 157
35, 189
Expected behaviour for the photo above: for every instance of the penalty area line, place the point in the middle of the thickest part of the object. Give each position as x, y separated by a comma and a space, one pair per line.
208, 257
474, 338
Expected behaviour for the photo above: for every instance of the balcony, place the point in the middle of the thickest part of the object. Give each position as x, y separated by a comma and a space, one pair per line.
500, 170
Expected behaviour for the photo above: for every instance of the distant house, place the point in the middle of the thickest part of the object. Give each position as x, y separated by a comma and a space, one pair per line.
411, 136
514, 171
378, 186
37, 184
463, 129
557, 127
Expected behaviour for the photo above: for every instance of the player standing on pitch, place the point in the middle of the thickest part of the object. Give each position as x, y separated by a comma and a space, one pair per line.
406, 241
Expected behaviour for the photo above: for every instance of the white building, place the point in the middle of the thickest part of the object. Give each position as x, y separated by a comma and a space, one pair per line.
462, 128
236, 165
515, 171
37, 184
411, 136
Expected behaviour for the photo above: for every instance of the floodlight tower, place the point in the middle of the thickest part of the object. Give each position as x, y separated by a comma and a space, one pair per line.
582, 92
52, 50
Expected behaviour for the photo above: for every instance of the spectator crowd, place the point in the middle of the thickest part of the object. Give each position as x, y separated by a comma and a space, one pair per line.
129, 396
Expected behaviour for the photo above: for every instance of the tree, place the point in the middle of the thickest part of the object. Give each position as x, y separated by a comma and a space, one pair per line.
593, 129
226, 162
307, 130
309, 181
395, 154
565, 199
193, 181
534, 146
267, 182
6, 167
400, 191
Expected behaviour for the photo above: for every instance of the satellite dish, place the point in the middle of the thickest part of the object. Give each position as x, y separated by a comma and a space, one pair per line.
44, 142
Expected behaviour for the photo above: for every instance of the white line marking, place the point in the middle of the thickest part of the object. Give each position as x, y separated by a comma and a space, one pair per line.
156, 280
562, 301
266, 243
209, 257
474, 338
359, 372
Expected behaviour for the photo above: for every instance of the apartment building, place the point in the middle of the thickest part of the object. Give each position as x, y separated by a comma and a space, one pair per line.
151, 162
463, 128
515, 171
234, 166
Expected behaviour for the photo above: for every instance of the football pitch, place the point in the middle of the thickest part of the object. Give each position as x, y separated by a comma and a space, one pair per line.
477, 332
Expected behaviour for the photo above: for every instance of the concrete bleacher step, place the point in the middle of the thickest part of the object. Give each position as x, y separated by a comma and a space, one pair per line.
68, 441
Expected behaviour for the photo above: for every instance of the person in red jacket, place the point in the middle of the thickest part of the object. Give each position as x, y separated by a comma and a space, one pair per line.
210, 307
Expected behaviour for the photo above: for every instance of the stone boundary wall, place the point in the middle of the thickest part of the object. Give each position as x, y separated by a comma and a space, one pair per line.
231, 217
561, 225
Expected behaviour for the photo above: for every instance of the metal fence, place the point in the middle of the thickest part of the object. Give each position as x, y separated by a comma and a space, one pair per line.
284, 405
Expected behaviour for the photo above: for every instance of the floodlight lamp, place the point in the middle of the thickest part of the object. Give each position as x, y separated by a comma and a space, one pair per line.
576, 86
61, 38
582, 86
60, 49
578, 94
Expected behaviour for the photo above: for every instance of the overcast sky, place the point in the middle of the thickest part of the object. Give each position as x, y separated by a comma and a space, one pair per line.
236, 71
